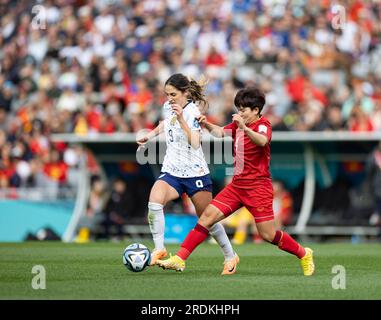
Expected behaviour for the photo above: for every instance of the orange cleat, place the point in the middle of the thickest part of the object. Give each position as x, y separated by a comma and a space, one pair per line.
156, 255
230, 266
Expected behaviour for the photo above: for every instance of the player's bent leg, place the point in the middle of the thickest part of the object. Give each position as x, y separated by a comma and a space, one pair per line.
266, 230
231, 258
161, 193
286, 243
157, 227
210, 216
195, 237
214, 214
201, 200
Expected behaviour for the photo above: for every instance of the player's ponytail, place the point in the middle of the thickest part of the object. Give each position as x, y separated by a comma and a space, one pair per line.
194, 88
196, 92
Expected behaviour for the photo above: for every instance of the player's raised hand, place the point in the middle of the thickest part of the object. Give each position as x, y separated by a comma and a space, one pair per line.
201, 119
177, 109
238, 120
142, 141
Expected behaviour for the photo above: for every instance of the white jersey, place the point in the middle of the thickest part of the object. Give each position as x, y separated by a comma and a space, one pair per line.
181, 160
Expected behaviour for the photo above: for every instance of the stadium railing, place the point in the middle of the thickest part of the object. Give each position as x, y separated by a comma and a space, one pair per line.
80, 202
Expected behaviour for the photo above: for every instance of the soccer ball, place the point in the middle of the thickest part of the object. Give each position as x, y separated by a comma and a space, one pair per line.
136, 257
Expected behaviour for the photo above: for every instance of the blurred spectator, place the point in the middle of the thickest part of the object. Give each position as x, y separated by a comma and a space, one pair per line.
117, 209
108, 55
359, 120
334, 120
358, 99
94, 212
282, 204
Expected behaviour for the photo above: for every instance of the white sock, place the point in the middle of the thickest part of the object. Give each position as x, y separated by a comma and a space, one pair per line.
219, 234
156, 223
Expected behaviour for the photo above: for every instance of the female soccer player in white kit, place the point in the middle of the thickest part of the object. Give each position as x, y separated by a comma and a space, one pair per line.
184, 168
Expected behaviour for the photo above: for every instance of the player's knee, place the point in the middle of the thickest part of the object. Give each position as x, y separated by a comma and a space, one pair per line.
266, 235
157, 198
204, 221
207, 219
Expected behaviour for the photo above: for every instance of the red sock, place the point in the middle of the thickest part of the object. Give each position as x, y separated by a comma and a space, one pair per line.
193, 239
286, 243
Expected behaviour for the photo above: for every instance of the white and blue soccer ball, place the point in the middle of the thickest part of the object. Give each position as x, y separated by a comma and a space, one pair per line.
136, 257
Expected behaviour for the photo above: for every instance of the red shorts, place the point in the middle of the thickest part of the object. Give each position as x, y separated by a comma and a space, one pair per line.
258, 200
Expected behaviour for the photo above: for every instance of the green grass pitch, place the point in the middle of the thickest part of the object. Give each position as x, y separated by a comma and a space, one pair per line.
96, 271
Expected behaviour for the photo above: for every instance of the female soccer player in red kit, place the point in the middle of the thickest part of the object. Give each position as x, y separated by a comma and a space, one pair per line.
251, 185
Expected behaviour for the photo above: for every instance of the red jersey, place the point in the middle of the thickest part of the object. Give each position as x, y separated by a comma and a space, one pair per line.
251, 162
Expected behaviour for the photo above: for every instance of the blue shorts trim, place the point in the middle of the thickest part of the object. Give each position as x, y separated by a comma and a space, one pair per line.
190, 186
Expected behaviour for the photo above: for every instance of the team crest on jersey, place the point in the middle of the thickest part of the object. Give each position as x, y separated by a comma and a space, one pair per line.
262, 128
173, 120
196, 124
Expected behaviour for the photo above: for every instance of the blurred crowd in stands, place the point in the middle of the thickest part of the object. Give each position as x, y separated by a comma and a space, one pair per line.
87, 67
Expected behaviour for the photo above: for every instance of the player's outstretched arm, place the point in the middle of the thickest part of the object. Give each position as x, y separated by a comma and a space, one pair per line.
143, 140
214, 129
257, 138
